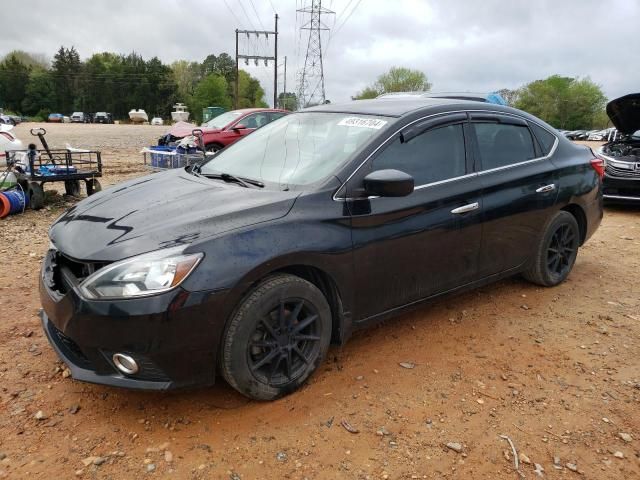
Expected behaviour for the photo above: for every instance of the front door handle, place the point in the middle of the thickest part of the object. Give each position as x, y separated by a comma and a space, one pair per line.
547, 188
466, 208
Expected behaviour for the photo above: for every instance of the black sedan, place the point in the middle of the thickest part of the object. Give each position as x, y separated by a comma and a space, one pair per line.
321, 223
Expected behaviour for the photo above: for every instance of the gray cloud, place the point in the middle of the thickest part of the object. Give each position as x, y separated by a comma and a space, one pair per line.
462, 45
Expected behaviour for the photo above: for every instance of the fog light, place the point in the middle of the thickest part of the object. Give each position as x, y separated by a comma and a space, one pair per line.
125, 363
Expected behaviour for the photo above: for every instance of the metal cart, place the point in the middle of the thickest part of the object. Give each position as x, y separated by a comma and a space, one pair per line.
166, 157
34, 168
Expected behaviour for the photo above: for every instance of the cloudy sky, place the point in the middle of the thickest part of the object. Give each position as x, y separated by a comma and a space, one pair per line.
462, 45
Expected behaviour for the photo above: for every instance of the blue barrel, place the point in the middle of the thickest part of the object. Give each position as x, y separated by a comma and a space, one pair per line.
12, 201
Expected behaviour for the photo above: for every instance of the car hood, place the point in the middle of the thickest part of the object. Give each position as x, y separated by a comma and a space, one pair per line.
160, 211
624, 113
183, 129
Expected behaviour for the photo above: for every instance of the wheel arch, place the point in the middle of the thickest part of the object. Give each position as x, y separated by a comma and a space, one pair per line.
325, 281
578, 213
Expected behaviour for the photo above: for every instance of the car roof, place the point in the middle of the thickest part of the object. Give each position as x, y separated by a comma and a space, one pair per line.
251, 110
401, 105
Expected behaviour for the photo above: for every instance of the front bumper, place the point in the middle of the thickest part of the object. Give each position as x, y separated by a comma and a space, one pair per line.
621, 189
172, 336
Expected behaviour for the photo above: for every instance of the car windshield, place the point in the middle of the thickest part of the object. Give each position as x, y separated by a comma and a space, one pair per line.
636, 135
297, 149
101, 114
223, 120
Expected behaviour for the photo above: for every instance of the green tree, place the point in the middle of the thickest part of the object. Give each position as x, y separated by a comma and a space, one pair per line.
397, 79
250, 92
510, 96
288, 101
40, 94
222, 65
369, 92
210, 92
14, 76
186, 75
37, 61
66, 70
564, 102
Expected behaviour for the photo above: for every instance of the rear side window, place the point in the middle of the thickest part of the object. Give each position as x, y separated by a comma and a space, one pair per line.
276, 115
503, 144
545, 138
432, 156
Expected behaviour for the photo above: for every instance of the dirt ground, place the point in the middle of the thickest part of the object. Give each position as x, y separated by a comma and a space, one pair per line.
555, 370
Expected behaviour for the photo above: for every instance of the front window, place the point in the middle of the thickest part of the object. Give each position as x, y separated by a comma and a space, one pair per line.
299, 149
223, 120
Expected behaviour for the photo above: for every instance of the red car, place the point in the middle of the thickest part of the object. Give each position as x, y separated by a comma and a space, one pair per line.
229, 127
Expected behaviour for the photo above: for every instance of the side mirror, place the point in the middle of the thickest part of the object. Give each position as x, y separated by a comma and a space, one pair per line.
239, 126
388, 183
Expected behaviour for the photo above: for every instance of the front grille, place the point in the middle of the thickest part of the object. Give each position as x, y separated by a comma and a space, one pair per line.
80, 270
622, 172
75, 269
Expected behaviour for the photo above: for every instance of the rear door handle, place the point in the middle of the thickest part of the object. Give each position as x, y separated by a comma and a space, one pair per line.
466, 208
547, 188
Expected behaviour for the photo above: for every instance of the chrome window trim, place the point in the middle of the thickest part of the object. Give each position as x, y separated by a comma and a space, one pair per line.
468, 175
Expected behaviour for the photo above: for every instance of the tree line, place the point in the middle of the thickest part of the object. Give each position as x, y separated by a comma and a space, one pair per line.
563, 102
30, 85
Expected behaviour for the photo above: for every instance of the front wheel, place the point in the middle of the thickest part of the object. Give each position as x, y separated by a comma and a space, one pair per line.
556, 251
277, 338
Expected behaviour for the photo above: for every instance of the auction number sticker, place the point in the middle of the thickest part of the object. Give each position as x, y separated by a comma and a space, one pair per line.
362, 122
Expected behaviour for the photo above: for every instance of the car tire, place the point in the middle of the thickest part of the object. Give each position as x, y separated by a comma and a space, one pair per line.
276, 338
36, 196
556, 251
72, 187
213, 147
93, 186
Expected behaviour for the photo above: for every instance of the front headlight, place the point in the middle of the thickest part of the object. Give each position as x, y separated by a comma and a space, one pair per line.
143, 275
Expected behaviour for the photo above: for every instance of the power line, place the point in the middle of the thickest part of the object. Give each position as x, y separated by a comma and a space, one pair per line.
233, 13
337, 30
347, 19
246, 15
256, 12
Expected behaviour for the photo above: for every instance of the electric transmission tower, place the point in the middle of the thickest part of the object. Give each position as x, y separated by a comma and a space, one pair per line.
311, 78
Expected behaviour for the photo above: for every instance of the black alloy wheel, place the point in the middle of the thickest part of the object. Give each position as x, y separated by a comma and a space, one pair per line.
284, 342
277, 337
562, 249
556, 251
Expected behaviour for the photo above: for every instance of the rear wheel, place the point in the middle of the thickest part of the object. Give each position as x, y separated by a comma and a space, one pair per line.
72, 187
36, 196
213, 147
277, 338
556, 251
93, 186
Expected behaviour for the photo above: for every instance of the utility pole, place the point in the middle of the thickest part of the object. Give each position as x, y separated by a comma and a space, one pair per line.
275, 65
255, 58
311, 87
284, 89
235, 97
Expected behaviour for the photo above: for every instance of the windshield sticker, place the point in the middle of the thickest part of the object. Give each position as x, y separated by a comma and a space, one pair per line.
362, 122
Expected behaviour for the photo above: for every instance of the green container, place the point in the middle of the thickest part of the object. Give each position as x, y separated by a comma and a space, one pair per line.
211, 112
7, 180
